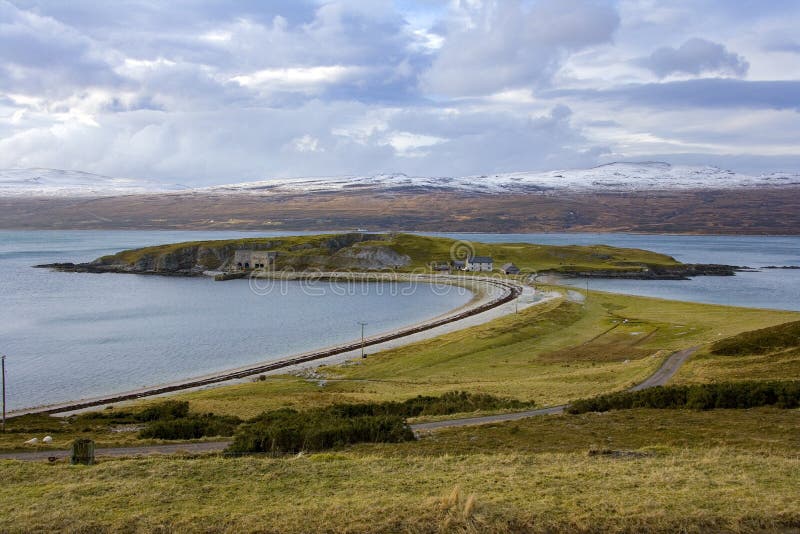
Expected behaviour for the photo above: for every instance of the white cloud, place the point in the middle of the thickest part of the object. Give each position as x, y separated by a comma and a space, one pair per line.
249, 90
306, 143
410, 145
501, 45
310, 79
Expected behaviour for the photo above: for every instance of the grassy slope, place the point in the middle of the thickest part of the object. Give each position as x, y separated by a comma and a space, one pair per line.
422, 250
762, 354
699, 471
550, 354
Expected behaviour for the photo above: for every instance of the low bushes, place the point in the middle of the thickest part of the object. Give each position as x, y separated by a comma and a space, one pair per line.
287, 431
762, 341
447, 404
170, 409
192, 427
751, 394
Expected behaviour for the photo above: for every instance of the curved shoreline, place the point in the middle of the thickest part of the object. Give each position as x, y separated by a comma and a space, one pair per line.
509, 291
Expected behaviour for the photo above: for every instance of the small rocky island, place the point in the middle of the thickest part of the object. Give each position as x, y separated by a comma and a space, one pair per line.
397, 252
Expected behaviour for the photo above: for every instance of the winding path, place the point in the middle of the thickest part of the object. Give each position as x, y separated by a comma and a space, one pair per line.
659, 378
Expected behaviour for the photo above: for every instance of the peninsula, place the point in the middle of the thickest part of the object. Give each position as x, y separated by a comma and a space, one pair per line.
393, 252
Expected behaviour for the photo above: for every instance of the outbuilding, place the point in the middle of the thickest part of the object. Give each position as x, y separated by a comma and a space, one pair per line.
479, 263
509, 268
254, 259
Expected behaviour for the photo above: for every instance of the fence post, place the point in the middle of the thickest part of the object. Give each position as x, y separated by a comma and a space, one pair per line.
82, 452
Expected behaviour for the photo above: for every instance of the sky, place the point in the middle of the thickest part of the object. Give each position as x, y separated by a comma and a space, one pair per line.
206, 92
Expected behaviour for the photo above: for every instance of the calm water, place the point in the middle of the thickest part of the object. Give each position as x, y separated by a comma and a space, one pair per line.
72, 335
778, 288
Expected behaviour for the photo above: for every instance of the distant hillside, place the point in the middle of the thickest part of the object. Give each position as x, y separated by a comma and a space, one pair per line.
619, 177
621, 197
61, 183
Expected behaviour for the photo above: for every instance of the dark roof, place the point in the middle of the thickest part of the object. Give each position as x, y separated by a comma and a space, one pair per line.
509, 266
481, 259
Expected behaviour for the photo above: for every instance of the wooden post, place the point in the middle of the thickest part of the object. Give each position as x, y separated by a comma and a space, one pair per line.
363, 324
3, 360
82, 452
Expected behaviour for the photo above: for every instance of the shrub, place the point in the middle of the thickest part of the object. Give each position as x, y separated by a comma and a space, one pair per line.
193, 427
288, 431
446, 404
162, 411
751, 394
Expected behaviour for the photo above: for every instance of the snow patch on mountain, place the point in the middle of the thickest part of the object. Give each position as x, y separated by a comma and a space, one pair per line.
610, 177
621, 176
56, 183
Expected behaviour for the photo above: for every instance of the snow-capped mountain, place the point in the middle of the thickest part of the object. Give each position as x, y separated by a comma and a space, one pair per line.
57, 183
611, 177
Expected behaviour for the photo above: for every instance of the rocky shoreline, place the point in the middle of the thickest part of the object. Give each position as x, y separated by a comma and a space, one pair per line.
677, 272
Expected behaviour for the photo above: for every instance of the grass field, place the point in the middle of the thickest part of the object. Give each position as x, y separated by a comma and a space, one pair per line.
732, 470
550, 354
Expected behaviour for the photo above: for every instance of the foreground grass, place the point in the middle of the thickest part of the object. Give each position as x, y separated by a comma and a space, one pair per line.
693, 472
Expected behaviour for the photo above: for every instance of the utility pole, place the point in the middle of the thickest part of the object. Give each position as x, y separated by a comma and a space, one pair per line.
3, 372
363, 324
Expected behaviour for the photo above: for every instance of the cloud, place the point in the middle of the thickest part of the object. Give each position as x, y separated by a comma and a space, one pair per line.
784, 45
708, 93
209, 91
503, 45
695, 56
316, 138
40, 55
305, 79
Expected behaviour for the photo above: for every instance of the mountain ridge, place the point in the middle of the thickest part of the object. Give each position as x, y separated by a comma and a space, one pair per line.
617, 176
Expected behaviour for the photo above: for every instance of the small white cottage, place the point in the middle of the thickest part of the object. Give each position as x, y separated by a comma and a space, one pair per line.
479, 263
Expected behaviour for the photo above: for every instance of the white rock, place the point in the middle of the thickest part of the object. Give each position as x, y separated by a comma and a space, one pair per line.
32, 441
47, 439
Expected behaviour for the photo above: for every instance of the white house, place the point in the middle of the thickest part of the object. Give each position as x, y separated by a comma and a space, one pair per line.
479, 263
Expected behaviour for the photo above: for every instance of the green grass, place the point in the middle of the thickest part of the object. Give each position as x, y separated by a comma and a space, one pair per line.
691, 472
550, 354
762, 341
771, 353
